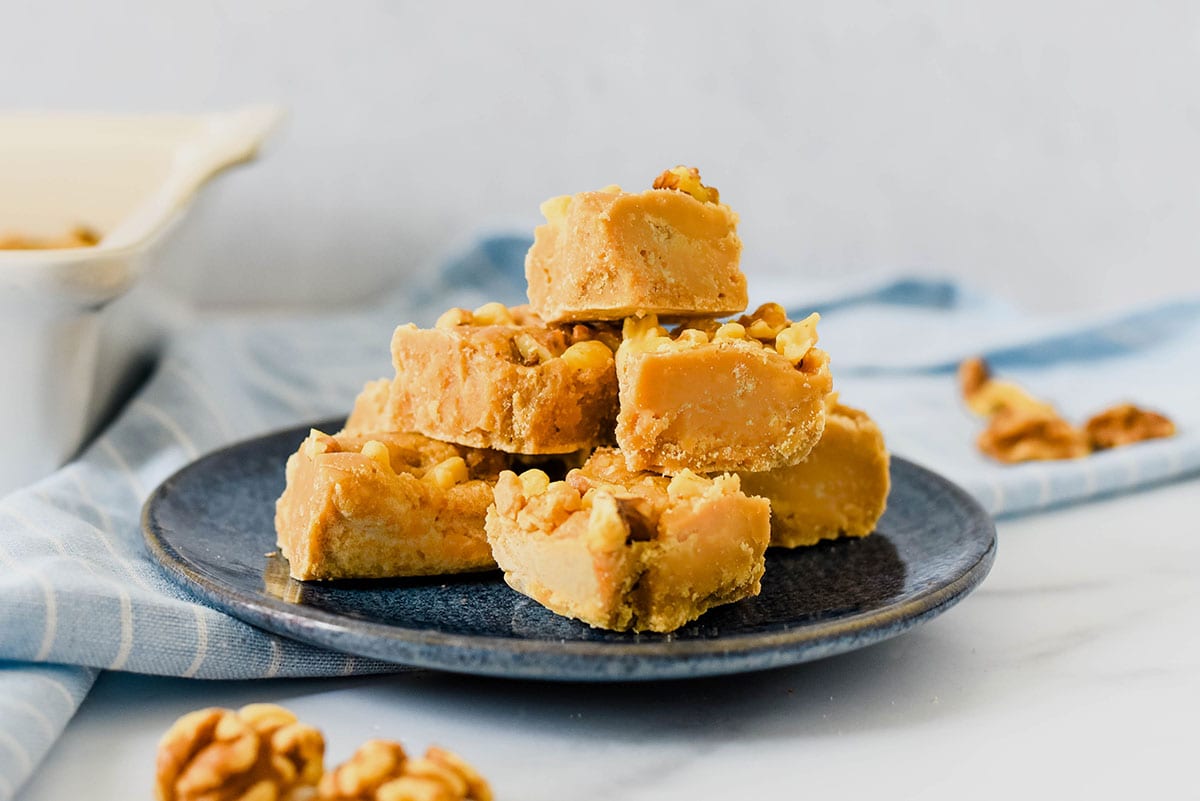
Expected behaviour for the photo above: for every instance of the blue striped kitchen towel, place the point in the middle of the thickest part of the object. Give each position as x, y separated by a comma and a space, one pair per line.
80, 594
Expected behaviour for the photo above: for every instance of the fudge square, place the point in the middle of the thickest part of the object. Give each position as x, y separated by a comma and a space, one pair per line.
647, 553
839, 490
747, 395
611, 254
385, 505
501, 378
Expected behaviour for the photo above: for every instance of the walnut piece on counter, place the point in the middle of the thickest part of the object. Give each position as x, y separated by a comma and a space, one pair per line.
380, 770
1126, 424
258, 753
1018, 435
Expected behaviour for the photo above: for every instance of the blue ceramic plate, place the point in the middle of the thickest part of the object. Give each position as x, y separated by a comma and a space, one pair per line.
212, 523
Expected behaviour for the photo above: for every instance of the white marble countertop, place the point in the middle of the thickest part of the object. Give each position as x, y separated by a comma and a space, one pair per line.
1073, 672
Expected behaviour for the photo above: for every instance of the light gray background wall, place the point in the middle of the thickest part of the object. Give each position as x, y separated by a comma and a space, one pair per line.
1049, 151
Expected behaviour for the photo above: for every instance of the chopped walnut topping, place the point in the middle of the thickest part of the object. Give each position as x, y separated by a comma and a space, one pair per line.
454, 317
730, 331
765, 322
607, 520
795, 341
448, 473
688, 485
707, 327
605, 333
1126, 424
260, 751
377, 452
493, 314
642, 327
768, 326
530, 351
687, 180
589, 354
533, 482
692, 337
638, 516
317, 443
381, 771
1017, 435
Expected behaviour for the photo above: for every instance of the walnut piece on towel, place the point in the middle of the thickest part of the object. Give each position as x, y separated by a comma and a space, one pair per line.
987, 396
1023, 428
1125, 424
1022, 436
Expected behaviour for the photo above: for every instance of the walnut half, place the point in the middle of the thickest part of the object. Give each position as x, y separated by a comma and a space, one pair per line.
258, 753
1126, 424
380, 770
987, 396
1019, 435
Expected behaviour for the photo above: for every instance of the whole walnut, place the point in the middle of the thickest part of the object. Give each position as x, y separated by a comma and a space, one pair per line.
381, 771
258, 753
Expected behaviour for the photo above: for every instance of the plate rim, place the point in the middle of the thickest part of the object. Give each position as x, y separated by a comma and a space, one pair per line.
274, 615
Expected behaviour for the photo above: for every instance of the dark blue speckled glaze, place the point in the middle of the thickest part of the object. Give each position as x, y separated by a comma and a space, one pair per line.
211, 524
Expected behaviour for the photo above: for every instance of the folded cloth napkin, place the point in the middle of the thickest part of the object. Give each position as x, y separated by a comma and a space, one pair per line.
81, 594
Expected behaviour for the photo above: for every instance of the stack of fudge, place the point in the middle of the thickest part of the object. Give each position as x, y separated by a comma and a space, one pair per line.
620, 452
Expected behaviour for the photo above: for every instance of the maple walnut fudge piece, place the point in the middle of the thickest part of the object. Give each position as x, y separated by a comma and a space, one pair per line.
672, 250
385, 505
649, 554
748, 395
839, 490
500, 378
